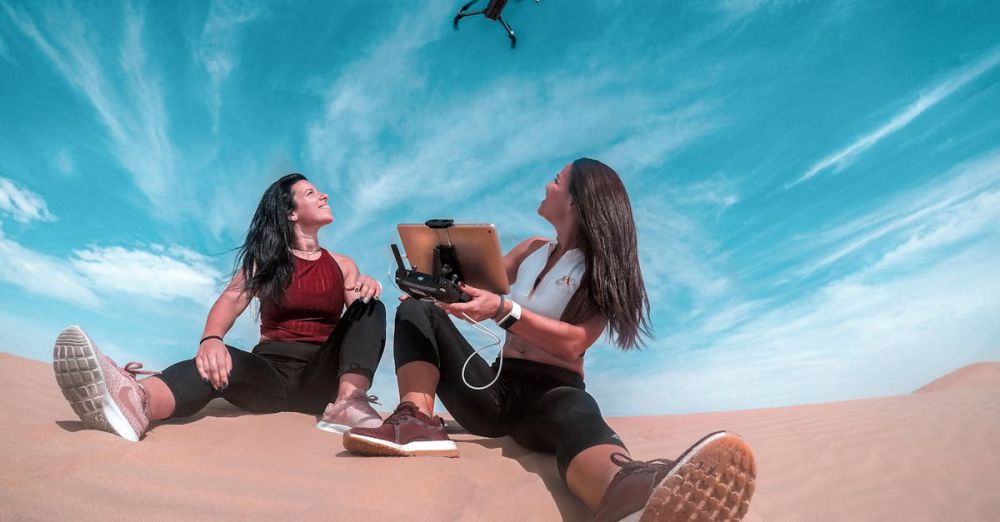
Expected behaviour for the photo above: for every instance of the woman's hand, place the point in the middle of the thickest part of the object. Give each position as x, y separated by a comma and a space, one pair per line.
483, 305
365, 287
214, 363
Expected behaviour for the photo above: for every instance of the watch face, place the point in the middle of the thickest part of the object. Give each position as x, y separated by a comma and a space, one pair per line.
508, 322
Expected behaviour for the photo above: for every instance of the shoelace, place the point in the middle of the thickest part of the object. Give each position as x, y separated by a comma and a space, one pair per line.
134, 369
403, 411
628, 465
372, 399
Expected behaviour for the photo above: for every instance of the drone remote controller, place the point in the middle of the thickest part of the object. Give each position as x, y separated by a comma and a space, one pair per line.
427, 286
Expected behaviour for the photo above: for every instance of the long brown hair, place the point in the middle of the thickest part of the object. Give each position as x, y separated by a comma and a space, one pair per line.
612, 284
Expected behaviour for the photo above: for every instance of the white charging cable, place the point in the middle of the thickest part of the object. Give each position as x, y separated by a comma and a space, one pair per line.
478, 326
496, 342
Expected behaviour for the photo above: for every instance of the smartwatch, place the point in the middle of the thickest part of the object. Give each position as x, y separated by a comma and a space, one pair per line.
512, 317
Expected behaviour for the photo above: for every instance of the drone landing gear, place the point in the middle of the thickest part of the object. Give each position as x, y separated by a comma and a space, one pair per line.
493, 12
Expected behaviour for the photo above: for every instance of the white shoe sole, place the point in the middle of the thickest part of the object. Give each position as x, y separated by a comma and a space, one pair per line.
79, 374
713, 481
332, 428
382, 448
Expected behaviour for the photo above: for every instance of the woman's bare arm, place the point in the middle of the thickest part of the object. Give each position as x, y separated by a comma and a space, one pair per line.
564, 340
213, 360
356, 285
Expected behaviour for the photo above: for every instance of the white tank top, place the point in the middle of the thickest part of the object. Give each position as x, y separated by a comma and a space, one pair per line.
556, 288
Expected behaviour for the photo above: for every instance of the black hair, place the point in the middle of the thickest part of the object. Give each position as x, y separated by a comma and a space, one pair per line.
264, 258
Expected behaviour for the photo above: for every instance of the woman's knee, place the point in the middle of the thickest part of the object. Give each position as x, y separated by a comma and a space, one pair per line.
567, 405
411, 309
577, 424
371, 312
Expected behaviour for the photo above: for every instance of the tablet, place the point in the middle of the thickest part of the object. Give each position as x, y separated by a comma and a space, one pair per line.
477, 248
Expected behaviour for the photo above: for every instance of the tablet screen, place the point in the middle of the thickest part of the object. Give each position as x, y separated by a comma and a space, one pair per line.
477, 248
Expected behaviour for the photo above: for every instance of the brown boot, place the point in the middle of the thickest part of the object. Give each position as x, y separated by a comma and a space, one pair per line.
712, 480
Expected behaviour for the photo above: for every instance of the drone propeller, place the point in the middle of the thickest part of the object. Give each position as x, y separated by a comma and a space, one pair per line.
493, 11
461, 13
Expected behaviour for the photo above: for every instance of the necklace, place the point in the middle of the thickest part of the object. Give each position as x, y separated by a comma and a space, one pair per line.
305, 251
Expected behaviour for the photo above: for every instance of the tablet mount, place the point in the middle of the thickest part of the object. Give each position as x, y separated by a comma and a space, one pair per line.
442, 283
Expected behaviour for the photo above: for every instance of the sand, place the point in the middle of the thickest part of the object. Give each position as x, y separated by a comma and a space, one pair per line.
931, 455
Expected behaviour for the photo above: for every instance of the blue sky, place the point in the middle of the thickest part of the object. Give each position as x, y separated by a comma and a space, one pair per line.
816, 184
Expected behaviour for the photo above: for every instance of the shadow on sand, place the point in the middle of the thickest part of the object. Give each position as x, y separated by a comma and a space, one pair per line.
215, 408
543, 465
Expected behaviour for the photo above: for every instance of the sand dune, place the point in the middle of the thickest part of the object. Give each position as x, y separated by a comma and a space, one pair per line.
932, 455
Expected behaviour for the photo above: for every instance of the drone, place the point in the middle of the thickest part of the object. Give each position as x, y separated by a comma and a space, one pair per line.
493, 11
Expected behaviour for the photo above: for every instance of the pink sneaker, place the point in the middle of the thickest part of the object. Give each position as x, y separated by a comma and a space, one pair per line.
105, 396
354, 411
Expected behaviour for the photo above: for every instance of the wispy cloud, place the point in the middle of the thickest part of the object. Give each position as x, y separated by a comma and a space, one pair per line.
676, 255
717, 192
843, 157
907, 214
497, 131
64, 164
872, 333
922, 303
158, 273
133, 114
744, 7
161, 273
43, 275
216, 50
657, 135
22, 204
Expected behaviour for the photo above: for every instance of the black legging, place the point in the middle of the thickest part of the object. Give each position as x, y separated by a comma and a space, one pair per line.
289, 376
542, 407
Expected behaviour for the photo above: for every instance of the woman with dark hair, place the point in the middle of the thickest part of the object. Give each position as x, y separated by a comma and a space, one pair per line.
564, 294
322, 333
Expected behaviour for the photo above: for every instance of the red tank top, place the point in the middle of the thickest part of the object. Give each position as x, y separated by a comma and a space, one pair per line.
314, 301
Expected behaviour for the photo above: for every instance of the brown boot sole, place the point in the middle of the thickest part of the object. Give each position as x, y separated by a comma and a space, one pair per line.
373, 447
712, 481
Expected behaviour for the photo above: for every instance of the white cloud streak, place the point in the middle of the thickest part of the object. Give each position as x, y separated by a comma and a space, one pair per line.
909, 213
926, 303
842, 158
475, 138
64, 164
216, 50
858, 337
160, 273
43, 275
134, 115
22, 204
675, 254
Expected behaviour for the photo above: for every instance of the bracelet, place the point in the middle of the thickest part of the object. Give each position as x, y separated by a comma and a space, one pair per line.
496, 316
207, 337
512, 317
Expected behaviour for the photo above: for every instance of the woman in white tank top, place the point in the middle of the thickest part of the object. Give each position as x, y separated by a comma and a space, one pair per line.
565, 293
